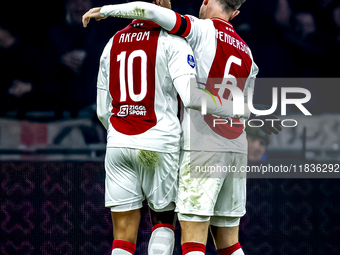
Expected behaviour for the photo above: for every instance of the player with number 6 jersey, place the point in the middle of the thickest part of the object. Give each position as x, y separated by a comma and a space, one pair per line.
141, 70
221, 55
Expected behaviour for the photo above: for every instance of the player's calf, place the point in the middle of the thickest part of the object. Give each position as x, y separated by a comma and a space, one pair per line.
235, 249
226, 238
162, 240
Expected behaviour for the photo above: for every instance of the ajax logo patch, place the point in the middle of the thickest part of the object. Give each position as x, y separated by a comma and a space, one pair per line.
191, 61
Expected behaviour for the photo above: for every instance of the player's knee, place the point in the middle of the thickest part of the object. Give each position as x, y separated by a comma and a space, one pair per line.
164, 215
192, 217
125, 225
220, 221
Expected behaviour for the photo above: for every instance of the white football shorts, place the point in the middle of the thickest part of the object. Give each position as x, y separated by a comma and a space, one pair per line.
211, 187
133, 175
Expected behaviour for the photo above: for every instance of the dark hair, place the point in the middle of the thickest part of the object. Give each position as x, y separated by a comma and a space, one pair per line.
231, 4
150, 1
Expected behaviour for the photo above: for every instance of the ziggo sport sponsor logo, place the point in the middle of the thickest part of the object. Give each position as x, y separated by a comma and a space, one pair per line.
126, 110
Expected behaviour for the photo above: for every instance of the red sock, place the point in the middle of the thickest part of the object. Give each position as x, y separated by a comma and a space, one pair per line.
124, 245
163, 225
229, 250
191, 246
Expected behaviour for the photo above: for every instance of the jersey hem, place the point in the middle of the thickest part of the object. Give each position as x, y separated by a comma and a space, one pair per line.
217, 150
134, 146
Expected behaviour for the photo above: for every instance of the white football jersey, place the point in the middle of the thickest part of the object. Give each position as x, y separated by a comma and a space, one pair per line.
223, 56
135, 87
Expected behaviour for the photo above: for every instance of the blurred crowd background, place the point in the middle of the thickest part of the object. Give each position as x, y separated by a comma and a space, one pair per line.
48, 72
49, 62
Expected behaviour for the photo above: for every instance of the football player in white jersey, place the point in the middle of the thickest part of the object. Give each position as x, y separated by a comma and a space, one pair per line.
220, 54
141, 70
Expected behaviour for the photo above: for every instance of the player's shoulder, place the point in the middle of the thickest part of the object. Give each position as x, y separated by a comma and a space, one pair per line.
195, 20
171, 40
199, 28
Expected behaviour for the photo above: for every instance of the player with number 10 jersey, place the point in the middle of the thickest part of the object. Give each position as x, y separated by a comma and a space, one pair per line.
222, 58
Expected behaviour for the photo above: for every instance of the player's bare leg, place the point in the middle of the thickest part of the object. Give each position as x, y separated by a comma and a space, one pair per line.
226, 240
163, 232
125, 230
194, 232
194, 237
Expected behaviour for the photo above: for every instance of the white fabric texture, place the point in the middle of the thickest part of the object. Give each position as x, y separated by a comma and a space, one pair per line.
118, 251
162, 242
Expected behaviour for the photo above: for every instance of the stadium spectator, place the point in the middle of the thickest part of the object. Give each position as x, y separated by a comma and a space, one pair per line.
257, 144
73, 55
19, 73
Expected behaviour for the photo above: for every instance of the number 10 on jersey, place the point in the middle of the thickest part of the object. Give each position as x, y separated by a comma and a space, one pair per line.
122, 74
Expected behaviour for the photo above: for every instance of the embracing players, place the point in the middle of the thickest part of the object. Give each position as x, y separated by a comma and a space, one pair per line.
141, 70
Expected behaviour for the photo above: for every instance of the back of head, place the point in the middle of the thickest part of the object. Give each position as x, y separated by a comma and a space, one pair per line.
231, 5
149, 1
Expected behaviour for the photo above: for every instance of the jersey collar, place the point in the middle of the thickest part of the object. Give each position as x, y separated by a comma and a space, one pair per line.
224, 21
145, 23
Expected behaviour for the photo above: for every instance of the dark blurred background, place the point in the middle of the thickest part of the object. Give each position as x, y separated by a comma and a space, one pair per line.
49, 62
52, 145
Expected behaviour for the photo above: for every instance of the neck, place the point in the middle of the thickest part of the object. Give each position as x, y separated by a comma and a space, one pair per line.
215, 11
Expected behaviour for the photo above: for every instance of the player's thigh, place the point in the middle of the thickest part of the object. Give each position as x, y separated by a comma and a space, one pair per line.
159, 181
231, 200
122, 186
198, 191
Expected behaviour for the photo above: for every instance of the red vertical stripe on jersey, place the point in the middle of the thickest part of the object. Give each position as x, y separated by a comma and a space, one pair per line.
224, 51
131, 115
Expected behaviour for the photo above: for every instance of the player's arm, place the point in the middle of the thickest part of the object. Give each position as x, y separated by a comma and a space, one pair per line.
104, 98
181, 66
192, 97
166, 18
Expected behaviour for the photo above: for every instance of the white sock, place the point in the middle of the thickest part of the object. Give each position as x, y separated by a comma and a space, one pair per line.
162, 240
195, 253
118, 251
238, 252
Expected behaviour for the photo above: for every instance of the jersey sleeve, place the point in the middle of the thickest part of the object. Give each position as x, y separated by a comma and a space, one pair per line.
181, 59
187, 26
250, 84
164, 17
104, 98
194, 30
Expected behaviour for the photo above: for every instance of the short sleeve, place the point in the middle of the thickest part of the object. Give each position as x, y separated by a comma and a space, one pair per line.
194, 30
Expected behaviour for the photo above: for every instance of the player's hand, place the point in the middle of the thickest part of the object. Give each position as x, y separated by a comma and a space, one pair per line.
74, 60
92, 13
19, 88
269, 127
